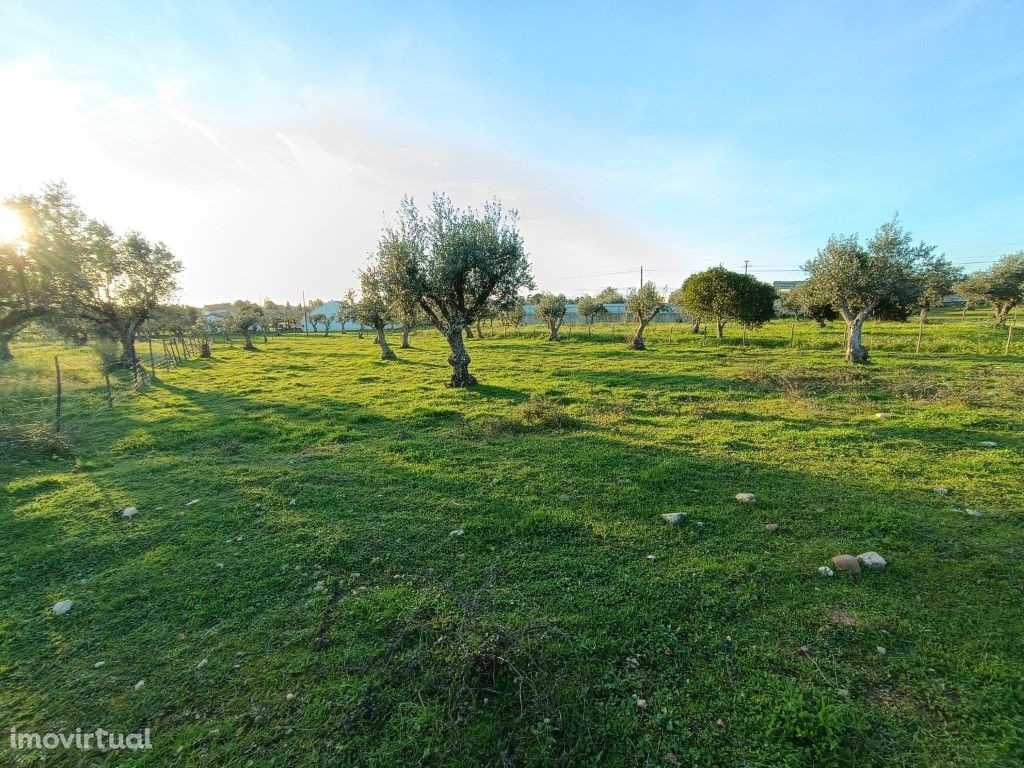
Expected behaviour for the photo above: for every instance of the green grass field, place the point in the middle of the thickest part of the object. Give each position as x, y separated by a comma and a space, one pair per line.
342, 623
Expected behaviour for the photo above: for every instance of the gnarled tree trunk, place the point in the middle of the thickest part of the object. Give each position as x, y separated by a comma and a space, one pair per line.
204, 350
637, 341
248, 340
721, 325
129, 358
386, 353
479, 329
5, 347
695, 325
856, 352
405, 336
1002, 311
459, 360
553, 328
469, 332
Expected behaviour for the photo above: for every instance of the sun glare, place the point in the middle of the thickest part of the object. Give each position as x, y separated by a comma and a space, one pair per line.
11, 225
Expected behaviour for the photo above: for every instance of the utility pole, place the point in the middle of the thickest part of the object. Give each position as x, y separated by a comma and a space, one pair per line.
641, 278
305, 319
746, 265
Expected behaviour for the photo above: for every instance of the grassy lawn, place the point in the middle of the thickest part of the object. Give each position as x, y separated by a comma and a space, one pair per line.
343, 621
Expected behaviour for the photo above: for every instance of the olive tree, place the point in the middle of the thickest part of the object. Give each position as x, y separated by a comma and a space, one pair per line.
351, 308
245, 317
645, 304
36, 268
551, 309
589, 308
120, 282
856, 280
1001, 285
936, 279
453, 261
722, 295
374, 310
24, 292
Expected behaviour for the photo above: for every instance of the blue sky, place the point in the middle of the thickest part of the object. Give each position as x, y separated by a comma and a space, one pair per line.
265, 142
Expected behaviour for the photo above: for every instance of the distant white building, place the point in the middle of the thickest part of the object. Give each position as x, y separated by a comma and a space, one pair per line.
331, 309
785, 286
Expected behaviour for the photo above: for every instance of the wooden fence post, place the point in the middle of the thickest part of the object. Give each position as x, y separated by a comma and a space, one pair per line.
60, 395
152, 360
1009, 338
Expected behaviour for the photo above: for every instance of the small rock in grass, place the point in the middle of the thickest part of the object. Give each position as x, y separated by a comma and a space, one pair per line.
844, 693
61, 607
988, 444
139, 685
202, 663
293, 502
942, 491
974, 513
745, 498
846, 563
880, 649
641, 703
98, 664
129, 512
320, 586
700, 523
192, 503
826, 571
871, 560
457, 532
883, 415
673, 517
652, 558
772, 527
289, 696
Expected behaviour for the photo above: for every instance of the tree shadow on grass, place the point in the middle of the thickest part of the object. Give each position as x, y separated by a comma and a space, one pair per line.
560, 543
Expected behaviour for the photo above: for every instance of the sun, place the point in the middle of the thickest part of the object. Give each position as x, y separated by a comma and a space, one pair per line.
11, 226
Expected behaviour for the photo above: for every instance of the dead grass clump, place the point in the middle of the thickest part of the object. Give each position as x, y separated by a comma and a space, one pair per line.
541, 412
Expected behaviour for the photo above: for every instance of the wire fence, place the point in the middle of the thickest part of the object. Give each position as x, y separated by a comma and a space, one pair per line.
47, 409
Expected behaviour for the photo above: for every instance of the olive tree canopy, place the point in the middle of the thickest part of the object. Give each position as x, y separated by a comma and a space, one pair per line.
1001, 285
551, 309
589, 308
374, 309
453, 261
244, 318
722, 295
857, 280
645, 304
